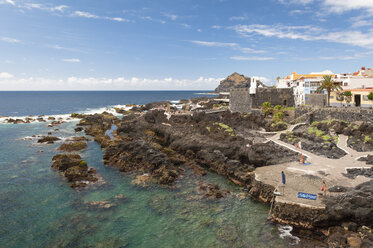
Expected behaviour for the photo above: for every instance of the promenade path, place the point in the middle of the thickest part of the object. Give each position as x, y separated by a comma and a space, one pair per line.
308, 178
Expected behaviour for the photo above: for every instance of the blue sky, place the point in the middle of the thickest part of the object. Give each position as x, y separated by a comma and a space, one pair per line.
176, 44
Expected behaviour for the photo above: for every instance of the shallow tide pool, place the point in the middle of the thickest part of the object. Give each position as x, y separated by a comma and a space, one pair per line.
39, 209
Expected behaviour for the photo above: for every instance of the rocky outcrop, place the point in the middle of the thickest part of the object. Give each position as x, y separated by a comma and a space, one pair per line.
74, 169
48, 139
233, 81
352, 206
316, 139
73, 146
368, 159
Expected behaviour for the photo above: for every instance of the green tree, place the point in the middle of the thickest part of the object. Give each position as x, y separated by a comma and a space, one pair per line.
370, 96
348, 97
329, 85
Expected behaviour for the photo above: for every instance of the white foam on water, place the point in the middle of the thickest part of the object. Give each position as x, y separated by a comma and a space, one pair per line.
285, 232
62, 117
207, 93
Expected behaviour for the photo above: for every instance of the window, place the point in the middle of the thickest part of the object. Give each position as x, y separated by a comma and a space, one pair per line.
307, 84
365, 98
345, 84
331, 97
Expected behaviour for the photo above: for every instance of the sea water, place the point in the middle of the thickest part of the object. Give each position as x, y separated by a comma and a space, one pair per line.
39, 209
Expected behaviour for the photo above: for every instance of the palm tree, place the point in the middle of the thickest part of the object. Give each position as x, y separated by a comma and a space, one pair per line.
328, 85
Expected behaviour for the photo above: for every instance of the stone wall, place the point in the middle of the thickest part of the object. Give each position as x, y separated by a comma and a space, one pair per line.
240, 100
275, 96
310, 114
319, 100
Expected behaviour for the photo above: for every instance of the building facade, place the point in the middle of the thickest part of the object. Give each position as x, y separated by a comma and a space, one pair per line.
359, 98
307, 84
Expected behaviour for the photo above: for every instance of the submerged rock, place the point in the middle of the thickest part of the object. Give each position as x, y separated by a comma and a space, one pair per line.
211, 191
226, 232
160, 204
142, 180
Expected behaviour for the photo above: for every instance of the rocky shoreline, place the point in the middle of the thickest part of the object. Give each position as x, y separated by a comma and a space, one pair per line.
231, 144
159, 146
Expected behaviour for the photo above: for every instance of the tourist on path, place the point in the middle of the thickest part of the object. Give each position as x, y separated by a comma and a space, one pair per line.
283, 181
323, 188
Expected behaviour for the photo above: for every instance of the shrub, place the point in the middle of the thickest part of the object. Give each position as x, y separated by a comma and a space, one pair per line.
226, 128
278, 117
278, 107
315, 131
267, 108
367, 139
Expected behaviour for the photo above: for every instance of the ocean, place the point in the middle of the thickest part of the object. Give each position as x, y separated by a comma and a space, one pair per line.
39, 209
22, 103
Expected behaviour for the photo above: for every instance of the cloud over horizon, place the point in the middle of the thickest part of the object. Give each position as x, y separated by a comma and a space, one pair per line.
9, 82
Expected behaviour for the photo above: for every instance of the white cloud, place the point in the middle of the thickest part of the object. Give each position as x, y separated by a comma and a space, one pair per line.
149, 18
73, 60
171, 16
9, 40
243, 58
92, 16
120, 83
60, 8
5, 75
264, 80
85, 14
238, 18
11, 2
216, 27
308, 33
303, 2
340, 6
231, 45
214, 43
336, 6
185, 25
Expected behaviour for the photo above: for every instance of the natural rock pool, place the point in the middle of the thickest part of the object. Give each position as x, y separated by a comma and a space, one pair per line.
39, 209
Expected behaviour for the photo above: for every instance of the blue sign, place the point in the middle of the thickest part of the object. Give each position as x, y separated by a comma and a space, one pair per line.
307, 196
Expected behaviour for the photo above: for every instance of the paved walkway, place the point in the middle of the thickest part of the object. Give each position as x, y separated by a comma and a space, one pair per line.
308, 178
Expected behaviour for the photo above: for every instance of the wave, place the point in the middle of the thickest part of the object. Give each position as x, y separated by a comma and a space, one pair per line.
285, 232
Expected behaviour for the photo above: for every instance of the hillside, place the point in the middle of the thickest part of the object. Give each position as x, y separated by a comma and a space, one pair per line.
233, 81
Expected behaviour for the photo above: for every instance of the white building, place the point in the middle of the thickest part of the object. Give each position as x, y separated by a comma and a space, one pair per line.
304, 84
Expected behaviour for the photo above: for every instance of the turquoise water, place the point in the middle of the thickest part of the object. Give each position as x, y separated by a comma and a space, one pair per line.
39, 209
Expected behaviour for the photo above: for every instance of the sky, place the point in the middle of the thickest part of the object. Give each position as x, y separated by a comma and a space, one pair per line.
177, 44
